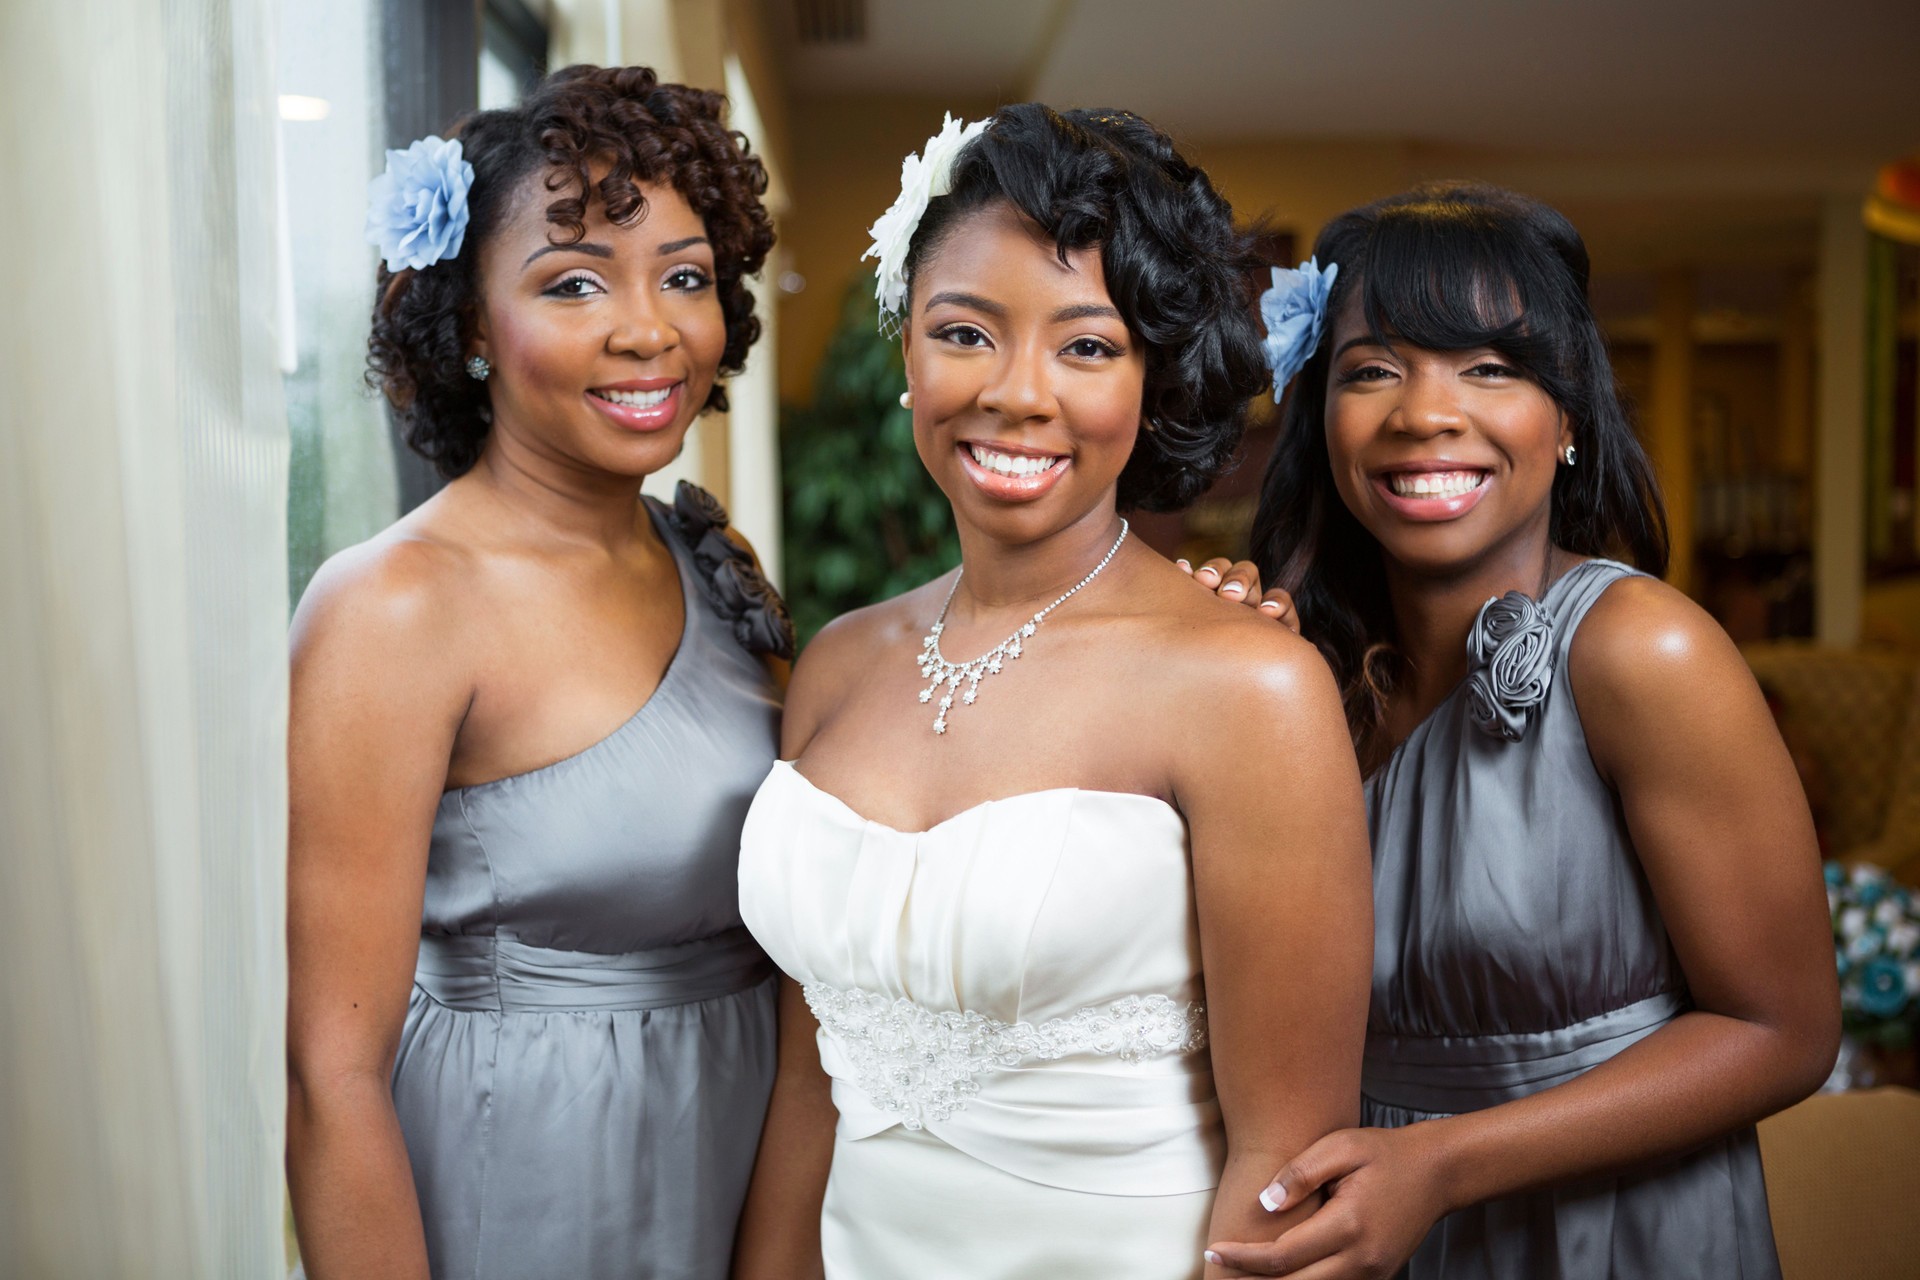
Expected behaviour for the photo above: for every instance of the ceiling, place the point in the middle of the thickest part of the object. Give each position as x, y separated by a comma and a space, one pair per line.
1835, 83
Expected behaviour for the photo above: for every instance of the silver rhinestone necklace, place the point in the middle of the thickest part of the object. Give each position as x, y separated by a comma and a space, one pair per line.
935, 667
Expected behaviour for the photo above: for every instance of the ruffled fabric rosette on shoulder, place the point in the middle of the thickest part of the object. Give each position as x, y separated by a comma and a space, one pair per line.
729, 578
1510, 652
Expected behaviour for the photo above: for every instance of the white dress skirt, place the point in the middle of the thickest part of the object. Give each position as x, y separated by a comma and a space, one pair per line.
1010, 1011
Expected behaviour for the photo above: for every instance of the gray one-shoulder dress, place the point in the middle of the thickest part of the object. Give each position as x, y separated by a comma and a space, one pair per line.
1517, 945
589, 1048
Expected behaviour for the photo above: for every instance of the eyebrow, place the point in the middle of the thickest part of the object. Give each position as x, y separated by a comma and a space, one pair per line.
1082, 311
973, 300
587, 247
594, 250
1364, 340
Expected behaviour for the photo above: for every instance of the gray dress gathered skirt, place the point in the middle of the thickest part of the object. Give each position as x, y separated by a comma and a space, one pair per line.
1516, 946
589, 1048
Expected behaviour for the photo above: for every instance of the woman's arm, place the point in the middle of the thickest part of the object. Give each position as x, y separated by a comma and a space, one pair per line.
1676, 725
780, 1228
377, 698
1271, 794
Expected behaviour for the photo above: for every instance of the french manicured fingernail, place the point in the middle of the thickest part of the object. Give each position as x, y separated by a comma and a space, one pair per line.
1184, 565
1214, 1258
1233, 589
1271, 606
1273, 1197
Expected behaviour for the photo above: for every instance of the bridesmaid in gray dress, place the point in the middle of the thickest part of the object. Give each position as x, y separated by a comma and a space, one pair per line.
1601, 952
528, 1036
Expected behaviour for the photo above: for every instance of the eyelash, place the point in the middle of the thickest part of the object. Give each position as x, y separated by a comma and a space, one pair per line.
1484, 367
558, 289
695, 278
947, 333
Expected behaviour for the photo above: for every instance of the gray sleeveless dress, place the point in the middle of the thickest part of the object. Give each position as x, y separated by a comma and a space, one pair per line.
589, 1047
1517, 945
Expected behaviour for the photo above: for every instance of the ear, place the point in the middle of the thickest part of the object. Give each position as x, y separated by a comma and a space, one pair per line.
906, 352
1565, 436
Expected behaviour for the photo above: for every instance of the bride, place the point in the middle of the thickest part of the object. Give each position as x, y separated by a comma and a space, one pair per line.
1065, 862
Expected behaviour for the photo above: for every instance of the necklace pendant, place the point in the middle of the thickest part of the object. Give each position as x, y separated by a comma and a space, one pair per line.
935, 668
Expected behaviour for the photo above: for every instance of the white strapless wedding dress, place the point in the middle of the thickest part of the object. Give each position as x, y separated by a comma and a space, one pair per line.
1009, 1005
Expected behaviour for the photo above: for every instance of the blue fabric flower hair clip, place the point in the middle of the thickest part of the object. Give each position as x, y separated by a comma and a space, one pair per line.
417, 209
1295, 312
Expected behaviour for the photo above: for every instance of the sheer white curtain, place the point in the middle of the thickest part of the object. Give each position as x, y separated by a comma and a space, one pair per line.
142, 642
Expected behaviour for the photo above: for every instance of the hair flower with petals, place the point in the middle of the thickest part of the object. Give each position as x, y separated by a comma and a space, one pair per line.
417, 209
923, 178
1295, 313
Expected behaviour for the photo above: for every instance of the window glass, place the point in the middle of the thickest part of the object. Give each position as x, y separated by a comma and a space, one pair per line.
341, 486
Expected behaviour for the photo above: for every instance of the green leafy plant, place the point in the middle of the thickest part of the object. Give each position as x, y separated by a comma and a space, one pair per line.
864, 521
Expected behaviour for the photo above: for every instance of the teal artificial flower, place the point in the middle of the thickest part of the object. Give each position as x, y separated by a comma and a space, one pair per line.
417, 209
1883, 988
1295, 313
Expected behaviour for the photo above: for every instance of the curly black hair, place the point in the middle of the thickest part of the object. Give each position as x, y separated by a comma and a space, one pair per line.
1177, 269
575, 119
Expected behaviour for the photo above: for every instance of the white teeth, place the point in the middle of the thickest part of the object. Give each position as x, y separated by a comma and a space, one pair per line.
1009, 464
1435, 484
637, 399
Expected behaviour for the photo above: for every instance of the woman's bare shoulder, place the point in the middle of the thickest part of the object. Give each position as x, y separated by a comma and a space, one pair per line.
848, 647
400, 607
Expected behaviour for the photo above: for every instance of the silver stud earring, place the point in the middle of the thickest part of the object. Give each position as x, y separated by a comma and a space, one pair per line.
478, 369
1568, 455
906, 399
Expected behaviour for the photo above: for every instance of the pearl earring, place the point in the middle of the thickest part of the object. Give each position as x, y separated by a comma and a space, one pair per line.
1569, 455
478, 369
906, 399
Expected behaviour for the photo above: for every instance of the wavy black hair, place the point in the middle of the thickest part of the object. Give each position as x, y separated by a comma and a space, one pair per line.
575, 119
1449, 266
1176, 268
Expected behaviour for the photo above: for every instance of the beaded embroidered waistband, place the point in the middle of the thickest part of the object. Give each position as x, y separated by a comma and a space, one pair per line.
921, 1064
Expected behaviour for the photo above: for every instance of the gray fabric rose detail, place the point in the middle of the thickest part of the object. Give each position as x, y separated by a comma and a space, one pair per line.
729, 579
1510, 650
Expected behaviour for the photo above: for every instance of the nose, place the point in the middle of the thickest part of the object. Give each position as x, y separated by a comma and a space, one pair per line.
1427, 407
1020, 388
642, 327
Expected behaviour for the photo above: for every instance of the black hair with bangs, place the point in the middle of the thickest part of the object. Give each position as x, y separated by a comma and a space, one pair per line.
1176, 268
1449, 266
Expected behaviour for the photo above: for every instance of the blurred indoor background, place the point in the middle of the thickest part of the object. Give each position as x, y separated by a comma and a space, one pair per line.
1745, 172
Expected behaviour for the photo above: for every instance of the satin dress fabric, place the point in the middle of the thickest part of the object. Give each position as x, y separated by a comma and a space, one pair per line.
589, 1047
1010, 1014
1517, 945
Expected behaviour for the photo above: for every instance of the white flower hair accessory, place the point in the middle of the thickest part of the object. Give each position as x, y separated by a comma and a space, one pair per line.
417, 209
1295, 312
923, 178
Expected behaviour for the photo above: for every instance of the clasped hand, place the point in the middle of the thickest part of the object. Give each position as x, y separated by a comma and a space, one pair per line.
1384, 1189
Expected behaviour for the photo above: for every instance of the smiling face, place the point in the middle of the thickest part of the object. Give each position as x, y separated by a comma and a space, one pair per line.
604, 351
1026, 382
1446, 457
